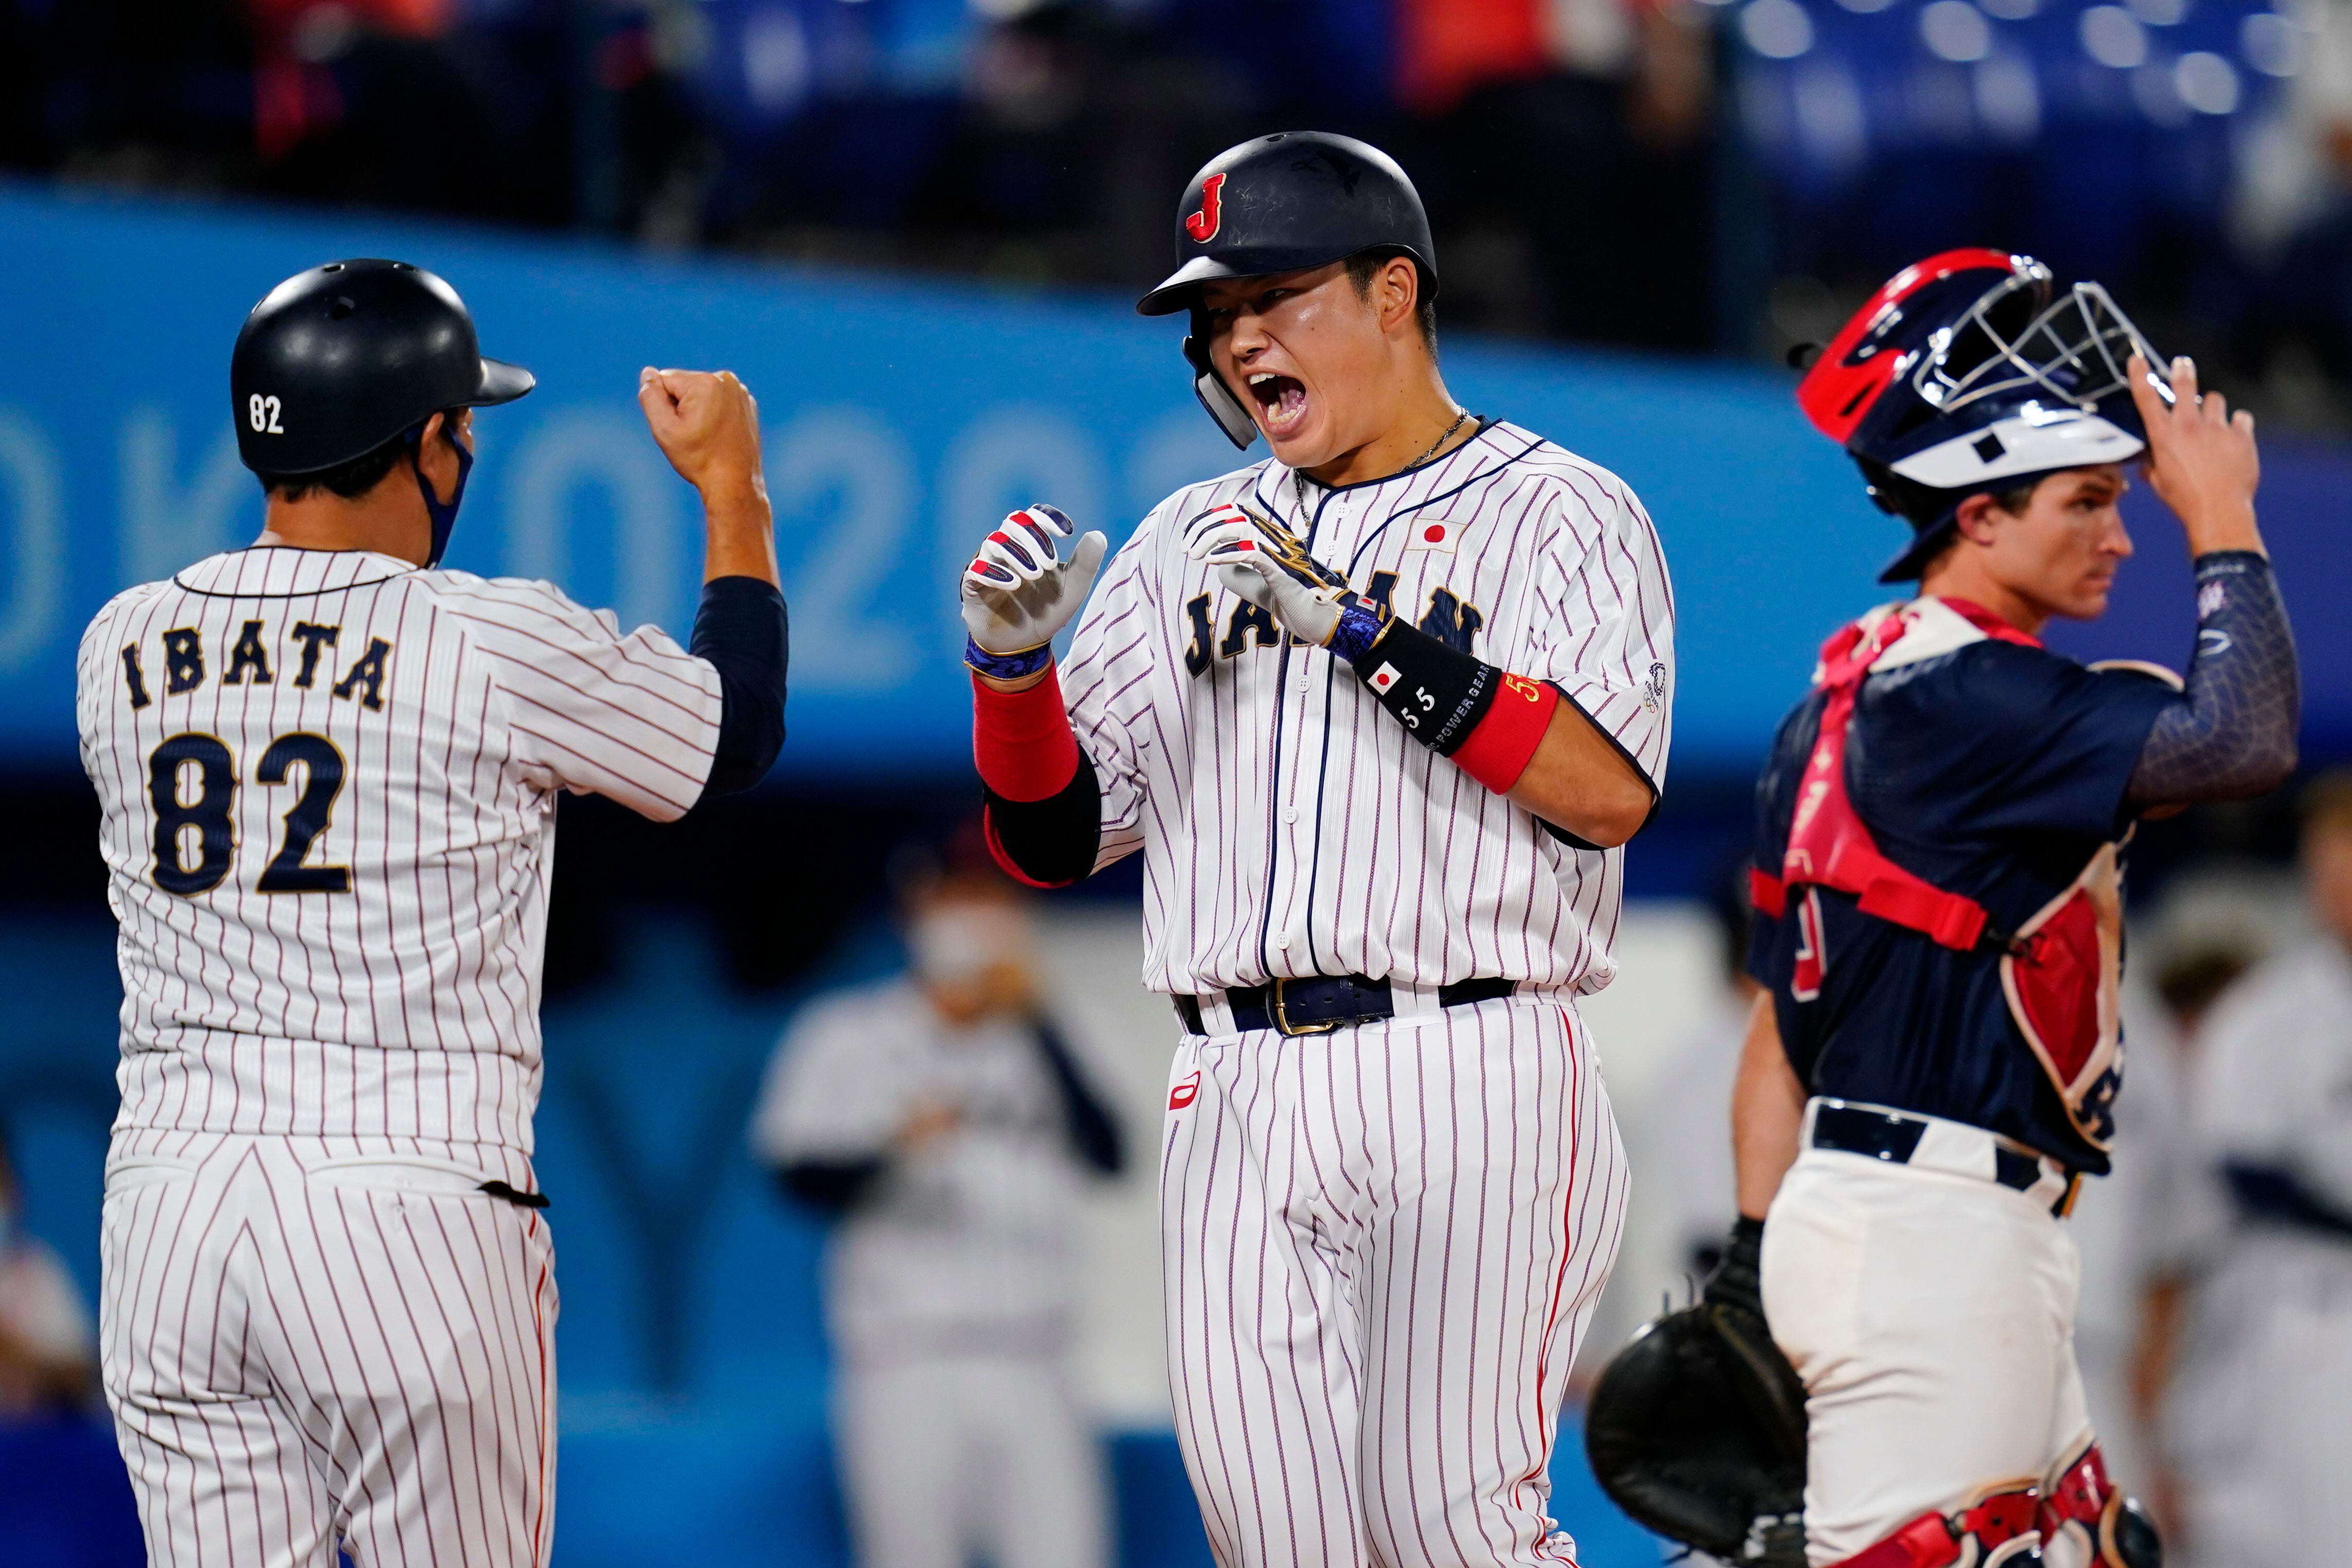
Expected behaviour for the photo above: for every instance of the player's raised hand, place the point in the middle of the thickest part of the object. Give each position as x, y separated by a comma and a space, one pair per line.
1017, 592
707, 424
1267, 564
2201, 459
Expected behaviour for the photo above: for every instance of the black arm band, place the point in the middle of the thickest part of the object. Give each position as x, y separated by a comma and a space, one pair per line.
1052, 842
830, 1187
2232, 732
1093, 1131
1438, 693
2281, 1195
742, 629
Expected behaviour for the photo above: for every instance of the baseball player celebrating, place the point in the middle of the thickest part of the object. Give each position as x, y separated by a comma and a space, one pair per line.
328, 773
1935, 1064
1378, 711
2260, 1421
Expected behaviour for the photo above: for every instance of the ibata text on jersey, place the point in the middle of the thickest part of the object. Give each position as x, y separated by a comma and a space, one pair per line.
259, 650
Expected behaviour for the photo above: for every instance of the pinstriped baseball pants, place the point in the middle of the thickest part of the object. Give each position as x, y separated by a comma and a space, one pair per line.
309, 1343
1380, 1247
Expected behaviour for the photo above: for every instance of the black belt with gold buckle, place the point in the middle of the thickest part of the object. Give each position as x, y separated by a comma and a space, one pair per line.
1318, 1004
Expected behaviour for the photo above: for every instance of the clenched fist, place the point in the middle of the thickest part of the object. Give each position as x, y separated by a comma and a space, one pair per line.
707, 424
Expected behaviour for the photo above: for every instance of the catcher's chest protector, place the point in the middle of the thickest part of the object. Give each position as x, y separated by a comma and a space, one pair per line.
2060, 971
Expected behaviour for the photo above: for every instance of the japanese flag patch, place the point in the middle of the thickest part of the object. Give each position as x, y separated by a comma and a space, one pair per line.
1384, 677
1431, 534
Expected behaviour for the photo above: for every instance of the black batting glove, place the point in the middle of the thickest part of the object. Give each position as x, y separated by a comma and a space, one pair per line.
1739, 1277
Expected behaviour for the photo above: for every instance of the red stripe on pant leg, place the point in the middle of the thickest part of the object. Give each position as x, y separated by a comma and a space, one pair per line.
538, 1541
1567, 1253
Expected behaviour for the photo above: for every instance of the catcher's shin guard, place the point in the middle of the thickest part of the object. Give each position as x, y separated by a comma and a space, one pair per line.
1996, 1529
2084, 1520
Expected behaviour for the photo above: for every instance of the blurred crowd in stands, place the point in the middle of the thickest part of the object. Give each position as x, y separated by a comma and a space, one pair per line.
1672, 174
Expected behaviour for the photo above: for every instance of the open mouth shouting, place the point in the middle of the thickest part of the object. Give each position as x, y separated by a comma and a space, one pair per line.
1281, 402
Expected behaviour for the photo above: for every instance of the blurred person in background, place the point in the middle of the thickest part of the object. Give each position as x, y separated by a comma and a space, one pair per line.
941, 1116
1683, 1156
2134, 1228
48, 1347
1681, 1205
2260, 1419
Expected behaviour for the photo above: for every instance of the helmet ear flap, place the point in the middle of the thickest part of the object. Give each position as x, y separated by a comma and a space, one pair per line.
1897, 497
1216, 397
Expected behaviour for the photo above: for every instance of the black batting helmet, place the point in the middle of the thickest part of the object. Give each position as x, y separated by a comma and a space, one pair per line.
1278, 203
339, 360
1292, 199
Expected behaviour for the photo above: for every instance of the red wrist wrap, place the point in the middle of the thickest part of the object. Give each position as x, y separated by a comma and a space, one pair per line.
1499, 749
1021, 741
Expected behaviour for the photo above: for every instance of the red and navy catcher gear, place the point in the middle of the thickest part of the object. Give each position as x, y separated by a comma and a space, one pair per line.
1962, 374
2111, 1531
1995, 1529
1282, 202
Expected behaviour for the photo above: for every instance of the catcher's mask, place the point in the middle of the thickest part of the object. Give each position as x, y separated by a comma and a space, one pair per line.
1963, 373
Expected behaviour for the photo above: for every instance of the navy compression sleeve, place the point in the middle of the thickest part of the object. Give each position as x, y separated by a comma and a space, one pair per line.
742, 629
1093, 1130
2232, 733
832, 1187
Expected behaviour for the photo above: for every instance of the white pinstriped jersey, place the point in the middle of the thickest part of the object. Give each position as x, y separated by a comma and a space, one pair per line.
1289, 825
328, 781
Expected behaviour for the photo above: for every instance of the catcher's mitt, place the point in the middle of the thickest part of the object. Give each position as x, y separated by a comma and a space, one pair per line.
1697, 1430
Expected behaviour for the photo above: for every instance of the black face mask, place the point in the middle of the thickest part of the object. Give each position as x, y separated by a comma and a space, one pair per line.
443, 513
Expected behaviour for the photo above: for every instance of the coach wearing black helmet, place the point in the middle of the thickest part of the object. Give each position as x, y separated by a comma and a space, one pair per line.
327, 771
1379, 712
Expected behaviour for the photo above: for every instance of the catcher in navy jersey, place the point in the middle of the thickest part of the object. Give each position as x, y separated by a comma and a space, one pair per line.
1933, 1070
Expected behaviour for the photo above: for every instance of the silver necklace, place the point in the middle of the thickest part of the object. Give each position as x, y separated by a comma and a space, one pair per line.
1459, 415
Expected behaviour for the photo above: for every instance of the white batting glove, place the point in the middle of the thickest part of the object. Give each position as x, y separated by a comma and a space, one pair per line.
1264, 563
1016, 592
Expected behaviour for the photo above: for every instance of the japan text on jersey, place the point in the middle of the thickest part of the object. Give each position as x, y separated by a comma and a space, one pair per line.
327, 783
1288, 826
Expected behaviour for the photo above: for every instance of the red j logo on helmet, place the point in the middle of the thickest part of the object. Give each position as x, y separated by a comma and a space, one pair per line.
1202, 225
